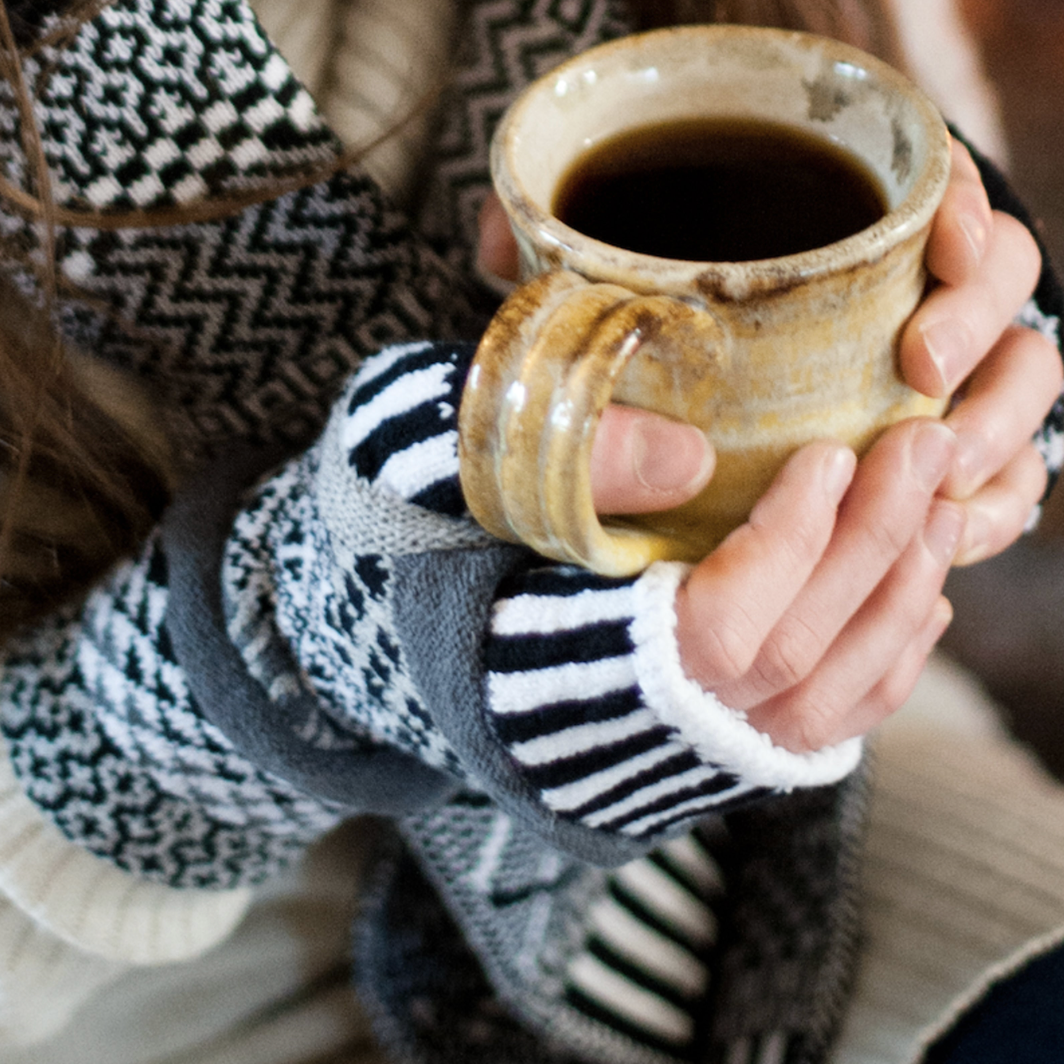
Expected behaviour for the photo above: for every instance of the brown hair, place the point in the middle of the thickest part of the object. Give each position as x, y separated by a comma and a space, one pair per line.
81, 478
76, 487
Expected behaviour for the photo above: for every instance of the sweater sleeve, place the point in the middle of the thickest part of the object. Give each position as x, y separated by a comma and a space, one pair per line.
108, 742
584, 720
569, 707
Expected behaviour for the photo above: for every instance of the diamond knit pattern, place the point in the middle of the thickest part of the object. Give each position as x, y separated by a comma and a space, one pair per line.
168, 101
336, 619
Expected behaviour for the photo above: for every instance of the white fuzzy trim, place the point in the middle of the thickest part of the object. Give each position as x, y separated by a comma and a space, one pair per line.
719, 735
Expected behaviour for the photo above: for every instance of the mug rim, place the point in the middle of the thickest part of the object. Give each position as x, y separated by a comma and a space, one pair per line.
565, 247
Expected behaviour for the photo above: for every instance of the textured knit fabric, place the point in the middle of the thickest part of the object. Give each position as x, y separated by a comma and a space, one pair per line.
597, 854
276, 992
963, 873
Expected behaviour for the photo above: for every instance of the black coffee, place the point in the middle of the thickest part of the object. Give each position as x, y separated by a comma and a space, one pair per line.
718, 191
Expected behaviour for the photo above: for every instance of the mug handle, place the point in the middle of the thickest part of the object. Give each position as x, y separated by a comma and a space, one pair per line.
542, 375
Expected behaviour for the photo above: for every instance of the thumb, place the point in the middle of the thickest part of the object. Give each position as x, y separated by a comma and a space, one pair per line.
642, 462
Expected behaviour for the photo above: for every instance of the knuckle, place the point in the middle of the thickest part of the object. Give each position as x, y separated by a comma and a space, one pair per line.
789, 655
815, 724
732, 645
888, 539
806, 538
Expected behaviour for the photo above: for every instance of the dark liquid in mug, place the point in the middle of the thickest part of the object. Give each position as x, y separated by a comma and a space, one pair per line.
718, 191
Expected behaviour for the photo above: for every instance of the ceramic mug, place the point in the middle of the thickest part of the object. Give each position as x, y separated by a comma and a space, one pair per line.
763, 355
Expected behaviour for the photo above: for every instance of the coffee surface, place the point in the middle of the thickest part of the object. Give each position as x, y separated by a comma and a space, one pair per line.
718, 191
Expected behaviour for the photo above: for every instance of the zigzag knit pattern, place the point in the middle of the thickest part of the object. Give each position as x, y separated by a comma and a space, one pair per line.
254, 322
505, 46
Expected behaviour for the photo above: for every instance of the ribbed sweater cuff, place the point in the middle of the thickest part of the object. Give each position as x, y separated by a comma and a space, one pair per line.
91, 904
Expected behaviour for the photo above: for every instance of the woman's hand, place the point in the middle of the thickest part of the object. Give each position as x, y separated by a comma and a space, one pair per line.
961, 341
816, 617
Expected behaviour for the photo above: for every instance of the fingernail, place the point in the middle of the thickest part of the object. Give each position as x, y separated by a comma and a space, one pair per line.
670, 456
975, 545
838, 473
931, 454
968, 463
975, 233
948, 343
943, 531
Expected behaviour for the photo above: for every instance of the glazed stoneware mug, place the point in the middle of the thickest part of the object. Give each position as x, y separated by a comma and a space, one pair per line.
765, 347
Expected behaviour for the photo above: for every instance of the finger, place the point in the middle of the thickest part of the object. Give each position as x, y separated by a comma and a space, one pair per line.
642, 462
884, 509
735, 596
496, 247
1002, 509
962, 224
892, 691
957, 324
833, 702
1004, 403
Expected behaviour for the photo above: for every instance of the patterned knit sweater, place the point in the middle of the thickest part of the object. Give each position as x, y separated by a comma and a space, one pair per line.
592, 856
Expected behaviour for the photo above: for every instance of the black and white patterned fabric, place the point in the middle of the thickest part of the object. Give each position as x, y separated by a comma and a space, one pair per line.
692, 953
562, 705
575, 719
592, 857
245, 327
504, 46
108, 742
152, 106
613, 964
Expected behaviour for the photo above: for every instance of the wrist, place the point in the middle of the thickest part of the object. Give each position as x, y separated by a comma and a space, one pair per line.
718, 733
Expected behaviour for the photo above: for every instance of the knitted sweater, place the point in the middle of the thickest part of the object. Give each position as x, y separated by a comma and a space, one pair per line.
318, 629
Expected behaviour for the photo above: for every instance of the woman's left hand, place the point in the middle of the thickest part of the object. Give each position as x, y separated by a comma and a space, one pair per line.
1005, 378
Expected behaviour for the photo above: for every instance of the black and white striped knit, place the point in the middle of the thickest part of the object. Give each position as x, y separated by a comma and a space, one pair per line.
592, 857
324, 581
584, 697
